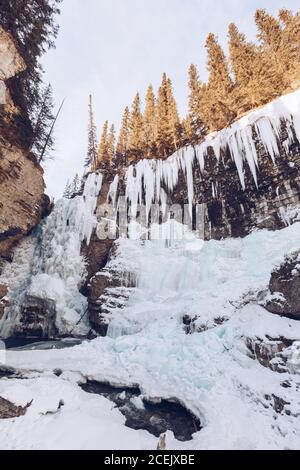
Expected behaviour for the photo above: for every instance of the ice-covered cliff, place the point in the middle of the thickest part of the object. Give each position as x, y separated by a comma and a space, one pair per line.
184, 317
243, 177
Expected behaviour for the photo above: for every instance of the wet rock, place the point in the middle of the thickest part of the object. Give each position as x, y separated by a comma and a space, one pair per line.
284, 294
156, 416
37, 318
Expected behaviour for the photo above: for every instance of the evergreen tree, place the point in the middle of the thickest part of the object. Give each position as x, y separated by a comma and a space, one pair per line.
194, 128
91, 158
256, 81
111, 144
188, 132
269, 30
76, 185
217, 105
136, 146
122, 145
173, 117
150, 123
286, 17
33, 28
42, 141
103, 158
270, 35
289, 51
67, 190
164, 140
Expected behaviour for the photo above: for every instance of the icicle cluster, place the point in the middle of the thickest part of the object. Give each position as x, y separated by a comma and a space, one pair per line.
56, 268
149, 177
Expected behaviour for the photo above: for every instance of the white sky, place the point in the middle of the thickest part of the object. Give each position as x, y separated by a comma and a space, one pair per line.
114, 48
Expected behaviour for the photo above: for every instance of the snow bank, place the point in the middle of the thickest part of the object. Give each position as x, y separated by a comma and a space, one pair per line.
210, 372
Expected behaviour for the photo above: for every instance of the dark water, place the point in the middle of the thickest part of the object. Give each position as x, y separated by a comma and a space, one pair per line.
27, 344
155, 417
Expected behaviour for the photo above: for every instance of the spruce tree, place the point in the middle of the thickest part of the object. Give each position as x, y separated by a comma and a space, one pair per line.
217, 104
103, 158
163, 138
122, 145
173, 118
91, 157
289, 52
136, 146
32, 24
256, 81
269, 30
111, 144
76, 185
194, 128
67, 190
150, 123
42, 141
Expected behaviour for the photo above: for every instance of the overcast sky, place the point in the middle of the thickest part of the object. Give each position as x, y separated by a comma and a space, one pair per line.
114, 48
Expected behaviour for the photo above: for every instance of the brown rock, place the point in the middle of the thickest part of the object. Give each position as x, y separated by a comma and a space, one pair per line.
22, 200
8, 410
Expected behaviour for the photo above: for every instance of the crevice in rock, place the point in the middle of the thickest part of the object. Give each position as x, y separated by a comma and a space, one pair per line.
153, 415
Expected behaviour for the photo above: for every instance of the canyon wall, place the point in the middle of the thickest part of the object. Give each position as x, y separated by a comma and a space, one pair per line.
22, 199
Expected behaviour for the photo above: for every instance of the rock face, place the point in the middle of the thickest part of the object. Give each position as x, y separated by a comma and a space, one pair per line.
37, 319
97, 254
22, 200
284, 298
230, 211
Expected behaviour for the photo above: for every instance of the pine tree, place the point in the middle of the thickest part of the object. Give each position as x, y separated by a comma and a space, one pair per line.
150, 123
67, 190
33, 28
163, 138
270, 35
188, 132
122, 145
218, 111
111, 144
76, 185
289, 52
42, 141
136, 146
256, 81
103, 158
173, 117
91, 158
269, 30
194, 128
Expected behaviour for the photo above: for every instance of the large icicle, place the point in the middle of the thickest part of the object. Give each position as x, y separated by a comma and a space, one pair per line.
149, 177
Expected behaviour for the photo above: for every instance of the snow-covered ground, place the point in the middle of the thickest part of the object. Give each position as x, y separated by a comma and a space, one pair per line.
210, 371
